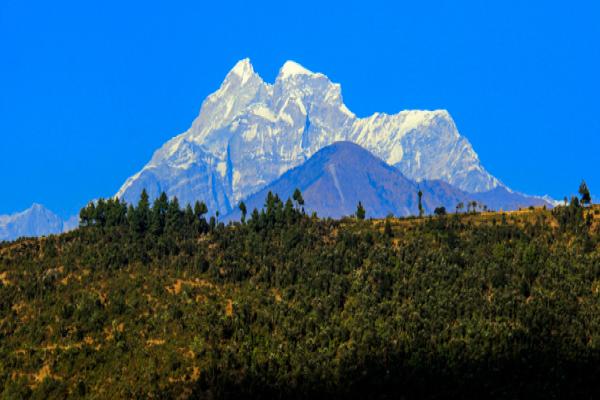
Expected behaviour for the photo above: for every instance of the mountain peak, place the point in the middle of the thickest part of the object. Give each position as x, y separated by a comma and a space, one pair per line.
36, 207
243, 70
335, 178
292, 68
347, 146
249, 132
37, 220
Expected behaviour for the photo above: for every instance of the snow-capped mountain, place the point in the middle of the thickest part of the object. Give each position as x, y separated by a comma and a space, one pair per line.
35, 221
249, 132
340, 175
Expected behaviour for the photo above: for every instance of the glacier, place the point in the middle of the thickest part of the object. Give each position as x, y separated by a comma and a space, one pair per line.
249, 132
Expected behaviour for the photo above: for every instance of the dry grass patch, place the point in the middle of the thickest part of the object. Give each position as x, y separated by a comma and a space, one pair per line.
229, 308
44, 373
4, 279
178, 285
277, 294
155, 342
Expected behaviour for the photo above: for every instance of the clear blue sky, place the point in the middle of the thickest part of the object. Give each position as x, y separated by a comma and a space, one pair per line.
89, 89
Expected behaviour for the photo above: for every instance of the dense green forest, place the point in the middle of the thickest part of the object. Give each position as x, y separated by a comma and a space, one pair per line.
155, 301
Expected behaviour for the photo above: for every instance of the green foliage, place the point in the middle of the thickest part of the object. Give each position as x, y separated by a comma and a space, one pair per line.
440, 211
570, 218
360, 211
243, 210
586, 198
291, 306
159, 214
297, 196
472, 206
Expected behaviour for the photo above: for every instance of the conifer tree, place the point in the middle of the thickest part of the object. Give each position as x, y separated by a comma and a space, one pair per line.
131, 217
297, 196
143, 213
115, 212
586, 198
173, 218
255, 216
200, 223
139, 217
244, 210
189, 221
87, 215
101, 212
360, 211
269, 202
158, 214
200, 209
288, 210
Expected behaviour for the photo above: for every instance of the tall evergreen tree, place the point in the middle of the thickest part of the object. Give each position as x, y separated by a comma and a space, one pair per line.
360, 211
158, 214
586, 198
243, 210
101, 212
115, 212
297, 196
131, 217
420, 194
173, 218
255, 217
200, 210
142, 218
189, 221
288, 211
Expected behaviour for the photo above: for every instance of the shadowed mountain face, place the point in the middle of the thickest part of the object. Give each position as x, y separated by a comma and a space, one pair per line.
338, 176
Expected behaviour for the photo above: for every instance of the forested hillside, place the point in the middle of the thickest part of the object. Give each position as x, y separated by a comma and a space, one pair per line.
156, 302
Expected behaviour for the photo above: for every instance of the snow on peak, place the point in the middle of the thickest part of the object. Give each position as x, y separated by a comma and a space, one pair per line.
249, 132
36, 208
35, 221
291, 68
243, 69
